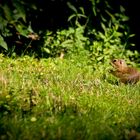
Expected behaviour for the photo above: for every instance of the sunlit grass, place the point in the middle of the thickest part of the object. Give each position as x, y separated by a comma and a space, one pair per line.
64, 99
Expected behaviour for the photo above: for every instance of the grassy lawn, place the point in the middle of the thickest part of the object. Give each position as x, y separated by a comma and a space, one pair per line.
65, 99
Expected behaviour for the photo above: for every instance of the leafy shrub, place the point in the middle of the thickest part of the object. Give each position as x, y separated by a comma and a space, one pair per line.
15, 30
65, 41
112, 40
102, 31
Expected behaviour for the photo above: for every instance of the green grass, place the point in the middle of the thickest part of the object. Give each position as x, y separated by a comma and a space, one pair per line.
64, 99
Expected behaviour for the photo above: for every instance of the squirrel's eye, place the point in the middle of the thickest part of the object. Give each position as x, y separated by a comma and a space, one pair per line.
114, 60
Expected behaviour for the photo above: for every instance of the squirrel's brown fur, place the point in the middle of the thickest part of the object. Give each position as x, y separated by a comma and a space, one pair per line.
124, 73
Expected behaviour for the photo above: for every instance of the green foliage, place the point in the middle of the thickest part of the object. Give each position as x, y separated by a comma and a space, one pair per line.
3, 43
14, 26
111, 41
65, 41
108, 44
96, 25
76, 15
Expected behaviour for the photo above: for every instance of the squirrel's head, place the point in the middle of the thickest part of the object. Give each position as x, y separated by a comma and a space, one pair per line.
118, 63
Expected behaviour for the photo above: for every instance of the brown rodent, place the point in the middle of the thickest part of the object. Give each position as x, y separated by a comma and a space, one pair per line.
127, 75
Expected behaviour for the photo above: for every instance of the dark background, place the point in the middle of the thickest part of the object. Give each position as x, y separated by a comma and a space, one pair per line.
53, 15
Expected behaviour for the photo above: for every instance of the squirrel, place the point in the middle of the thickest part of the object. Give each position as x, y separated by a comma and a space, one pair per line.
127, 75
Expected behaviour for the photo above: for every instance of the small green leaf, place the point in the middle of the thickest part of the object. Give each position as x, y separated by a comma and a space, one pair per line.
122, 9
47, 50
72, 16
103, 26
81, 15
3, 43
131, 35
72, 7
